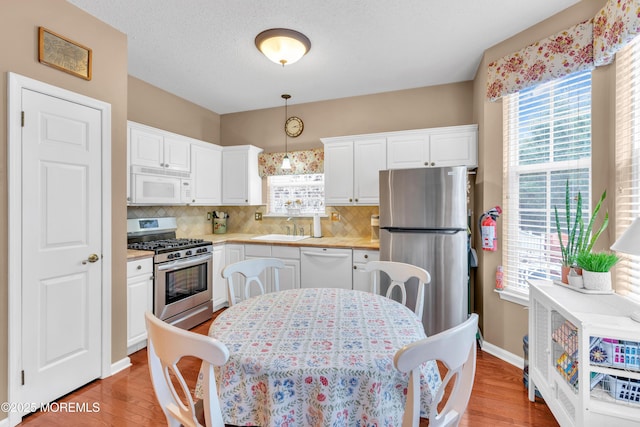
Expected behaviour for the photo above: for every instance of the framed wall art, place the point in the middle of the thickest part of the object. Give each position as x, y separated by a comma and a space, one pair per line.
66, 55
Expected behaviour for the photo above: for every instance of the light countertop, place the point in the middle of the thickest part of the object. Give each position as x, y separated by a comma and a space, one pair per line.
242, 238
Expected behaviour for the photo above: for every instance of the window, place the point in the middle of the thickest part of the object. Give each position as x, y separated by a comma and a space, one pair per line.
627, 203
547, 142
295, 194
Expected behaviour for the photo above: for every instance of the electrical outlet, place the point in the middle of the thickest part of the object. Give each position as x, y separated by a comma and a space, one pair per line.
335, 216
258, 216
208, 216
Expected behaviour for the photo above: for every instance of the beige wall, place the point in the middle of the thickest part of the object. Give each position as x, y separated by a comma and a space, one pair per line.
19, 21
504, 323
445, 105
155, 107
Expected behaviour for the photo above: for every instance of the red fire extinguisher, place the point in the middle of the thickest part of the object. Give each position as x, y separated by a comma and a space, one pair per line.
488, 229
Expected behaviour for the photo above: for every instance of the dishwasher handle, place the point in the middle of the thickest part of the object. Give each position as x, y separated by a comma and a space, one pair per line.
319, 254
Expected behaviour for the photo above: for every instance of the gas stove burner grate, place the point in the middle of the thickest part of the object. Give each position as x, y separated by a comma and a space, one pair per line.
157, 245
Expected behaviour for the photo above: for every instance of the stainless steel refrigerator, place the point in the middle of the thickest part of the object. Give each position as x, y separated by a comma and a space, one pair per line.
423, 221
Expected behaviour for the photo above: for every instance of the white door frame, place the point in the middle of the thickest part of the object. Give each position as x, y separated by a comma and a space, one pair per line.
15, 84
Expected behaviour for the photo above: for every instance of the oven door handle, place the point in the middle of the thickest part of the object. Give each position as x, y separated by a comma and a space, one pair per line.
183, 263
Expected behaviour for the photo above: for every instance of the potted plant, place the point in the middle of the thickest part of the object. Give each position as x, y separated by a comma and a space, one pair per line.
577, 239
596, 266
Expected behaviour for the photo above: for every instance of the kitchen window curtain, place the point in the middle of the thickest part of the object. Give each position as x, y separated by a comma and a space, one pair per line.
582, 47
615, 25
564, 53
302, 162
627, 199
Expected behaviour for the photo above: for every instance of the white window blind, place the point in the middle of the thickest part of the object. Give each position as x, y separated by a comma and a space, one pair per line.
296, 194
627, 203
546, 142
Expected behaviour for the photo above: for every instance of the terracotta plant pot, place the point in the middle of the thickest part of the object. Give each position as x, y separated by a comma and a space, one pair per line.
565, 272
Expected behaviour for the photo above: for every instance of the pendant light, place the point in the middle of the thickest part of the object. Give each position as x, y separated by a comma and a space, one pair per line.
286, 163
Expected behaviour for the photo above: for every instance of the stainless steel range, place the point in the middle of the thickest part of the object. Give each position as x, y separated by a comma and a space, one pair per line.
182, 271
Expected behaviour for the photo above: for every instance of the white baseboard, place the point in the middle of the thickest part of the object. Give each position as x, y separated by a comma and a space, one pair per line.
4, 423
500, 353
119, 365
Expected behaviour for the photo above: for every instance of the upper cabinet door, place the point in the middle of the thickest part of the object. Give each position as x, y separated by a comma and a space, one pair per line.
206, 174
241, 183
454, 148
177, 154
147, 148
338, 173
408, 151
370, 157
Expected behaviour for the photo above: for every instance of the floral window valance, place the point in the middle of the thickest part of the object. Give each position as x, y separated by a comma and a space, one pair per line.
302, 162
615, 25
566, 52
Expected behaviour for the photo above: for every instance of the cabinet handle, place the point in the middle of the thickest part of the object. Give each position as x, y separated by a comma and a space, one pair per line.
366, 256
351, 200
139, 267
193, 201
426, 163
356, 200
433, 163
161, 165
355, 267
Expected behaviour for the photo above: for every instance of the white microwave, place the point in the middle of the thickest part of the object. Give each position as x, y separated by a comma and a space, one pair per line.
160, 186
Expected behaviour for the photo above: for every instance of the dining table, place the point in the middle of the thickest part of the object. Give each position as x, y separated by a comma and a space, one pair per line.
317, 357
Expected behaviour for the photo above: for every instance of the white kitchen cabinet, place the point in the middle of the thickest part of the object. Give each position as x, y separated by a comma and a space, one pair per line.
157, 148
139, 300
234, 253
434, 147
220, 298
351, 167
290, 274
326, 268
206, 174
583, 356
241, 183
363, 281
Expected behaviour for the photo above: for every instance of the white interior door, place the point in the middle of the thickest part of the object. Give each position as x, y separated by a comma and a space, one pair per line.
61, 246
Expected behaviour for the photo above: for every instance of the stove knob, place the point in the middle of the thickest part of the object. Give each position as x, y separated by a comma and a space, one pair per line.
170, 256
176, 255
187, 253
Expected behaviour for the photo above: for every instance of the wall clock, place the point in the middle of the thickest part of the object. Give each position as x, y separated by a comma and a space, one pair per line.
293, 126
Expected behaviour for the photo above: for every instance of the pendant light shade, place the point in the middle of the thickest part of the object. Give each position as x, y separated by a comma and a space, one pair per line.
283, 46
286, 163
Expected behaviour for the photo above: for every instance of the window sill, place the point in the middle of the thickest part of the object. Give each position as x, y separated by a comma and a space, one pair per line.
281, 215
515, 297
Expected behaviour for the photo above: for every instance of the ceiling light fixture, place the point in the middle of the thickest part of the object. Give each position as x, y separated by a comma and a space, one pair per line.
286, 163
283, 46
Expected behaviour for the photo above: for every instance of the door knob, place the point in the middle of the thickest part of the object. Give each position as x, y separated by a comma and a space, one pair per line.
92, 258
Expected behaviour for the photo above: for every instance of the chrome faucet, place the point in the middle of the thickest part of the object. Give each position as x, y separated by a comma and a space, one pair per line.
295, 226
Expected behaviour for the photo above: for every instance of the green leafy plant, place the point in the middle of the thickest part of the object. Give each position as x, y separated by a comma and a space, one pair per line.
579, 238
600, 262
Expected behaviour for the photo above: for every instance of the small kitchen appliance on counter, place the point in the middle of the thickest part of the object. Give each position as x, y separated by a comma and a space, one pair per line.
182, 270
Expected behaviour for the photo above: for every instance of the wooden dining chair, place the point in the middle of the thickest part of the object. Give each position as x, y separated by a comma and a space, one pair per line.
455, 348
400, 273
167, 344
251, 270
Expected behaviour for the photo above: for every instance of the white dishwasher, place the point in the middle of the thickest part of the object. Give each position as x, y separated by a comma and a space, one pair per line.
325, 268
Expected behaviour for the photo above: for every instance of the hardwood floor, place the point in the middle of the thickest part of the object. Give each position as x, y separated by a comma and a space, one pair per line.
127, 398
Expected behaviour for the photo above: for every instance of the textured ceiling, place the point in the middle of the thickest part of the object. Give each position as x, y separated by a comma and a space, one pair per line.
203, 50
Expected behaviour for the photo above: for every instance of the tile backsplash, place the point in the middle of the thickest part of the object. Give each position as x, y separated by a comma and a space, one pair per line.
355, 221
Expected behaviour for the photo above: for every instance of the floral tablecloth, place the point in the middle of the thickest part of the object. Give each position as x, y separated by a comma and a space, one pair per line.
317, 357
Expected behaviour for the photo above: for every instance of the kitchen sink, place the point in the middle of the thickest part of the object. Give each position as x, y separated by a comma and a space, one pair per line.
280, 237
